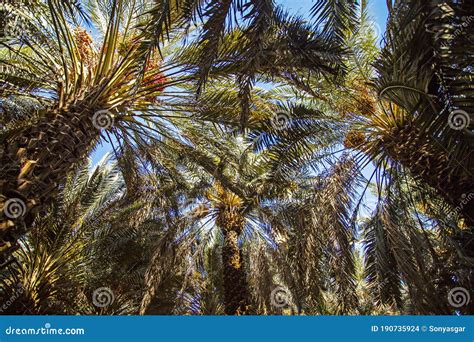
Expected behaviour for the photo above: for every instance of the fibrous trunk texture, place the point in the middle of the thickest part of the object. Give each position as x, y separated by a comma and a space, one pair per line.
34, 161
428, 161
236, 296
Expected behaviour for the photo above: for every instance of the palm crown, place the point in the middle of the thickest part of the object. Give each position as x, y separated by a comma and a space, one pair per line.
282, 174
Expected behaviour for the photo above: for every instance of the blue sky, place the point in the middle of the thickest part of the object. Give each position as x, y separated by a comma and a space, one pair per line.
378, 11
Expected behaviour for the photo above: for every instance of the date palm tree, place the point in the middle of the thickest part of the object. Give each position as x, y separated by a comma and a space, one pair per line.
240, 186
434, 108
371, 120
90, 251
416, 126
53, 263
64, 90
229, 195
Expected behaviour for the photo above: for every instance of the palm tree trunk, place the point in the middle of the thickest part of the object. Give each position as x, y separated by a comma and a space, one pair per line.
429, 162
452, 179
34, 162
236, 296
